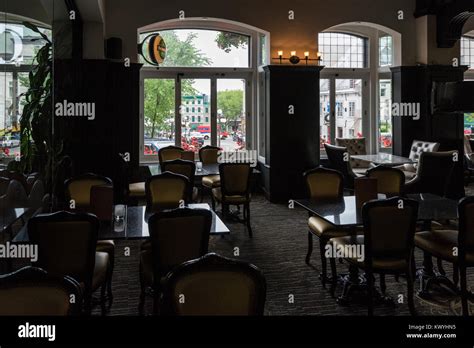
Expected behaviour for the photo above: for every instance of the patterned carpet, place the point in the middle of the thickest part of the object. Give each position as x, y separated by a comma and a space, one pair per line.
278, 248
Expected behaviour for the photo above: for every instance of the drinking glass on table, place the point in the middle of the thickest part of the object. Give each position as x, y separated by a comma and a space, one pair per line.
199, 166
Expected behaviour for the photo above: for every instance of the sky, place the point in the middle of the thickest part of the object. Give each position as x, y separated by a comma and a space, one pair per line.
238, 57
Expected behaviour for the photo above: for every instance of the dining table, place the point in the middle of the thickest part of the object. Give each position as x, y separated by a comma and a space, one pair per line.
384, 159
345, 214
130, 223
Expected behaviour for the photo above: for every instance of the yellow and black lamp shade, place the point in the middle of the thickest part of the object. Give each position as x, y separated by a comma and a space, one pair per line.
153, 49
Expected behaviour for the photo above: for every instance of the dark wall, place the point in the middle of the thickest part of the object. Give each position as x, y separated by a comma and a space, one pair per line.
413, 84
95, 145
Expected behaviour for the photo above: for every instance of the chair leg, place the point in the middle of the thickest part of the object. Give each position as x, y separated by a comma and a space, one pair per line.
464, 294
322, 249
103, 290
247, 219
455, 274
383, 286
440, 266
141, 304
156, 303
410, 289
370, 292
109, 279
332, 261
310, 247
213, 202
88, 302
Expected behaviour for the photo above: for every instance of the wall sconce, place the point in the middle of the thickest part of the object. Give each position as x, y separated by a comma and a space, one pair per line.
294, 59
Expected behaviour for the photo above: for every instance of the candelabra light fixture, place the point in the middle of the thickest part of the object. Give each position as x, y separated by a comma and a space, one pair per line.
294, 59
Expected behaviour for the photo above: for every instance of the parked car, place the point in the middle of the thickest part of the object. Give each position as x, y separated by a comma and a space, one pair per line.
10, 141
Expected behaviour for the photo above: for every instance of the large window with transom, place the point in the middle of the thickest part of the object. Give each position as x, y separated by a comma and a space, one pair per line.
349, 106
203, 92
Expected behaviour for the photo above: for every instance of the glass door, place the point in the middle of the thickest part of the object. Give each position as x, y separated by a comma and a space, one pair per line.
195, 112
349, 118
231, 114
159, 121
343, 108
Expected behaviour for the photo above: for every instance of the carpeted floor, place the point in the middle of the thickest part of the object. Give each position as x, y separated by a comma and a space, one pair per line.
278, 248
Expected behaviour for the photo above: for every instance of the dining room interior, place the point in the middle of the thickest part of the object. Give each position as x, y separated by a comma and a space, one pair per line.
246, 158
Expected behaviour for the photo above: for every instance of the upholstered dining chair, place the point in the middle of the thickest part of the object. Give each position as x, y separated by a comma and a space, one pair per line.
186, 168
170, 153
387, 246
214, 285
339, 159
82, 189
417, 148
324, 186
31, 291
443, 244
355, 146
166, 191
176, 236
210, 155
235, 189
187, 155
468, 159
14, 196
67, 246
390, 181
434, 173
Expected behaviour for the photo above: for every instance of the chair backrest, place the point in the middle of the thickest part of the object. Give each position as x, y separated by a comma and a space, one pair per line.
355, 146
22, 179
37, 192
467, 145
338, 160
79, 189
4, 182
389, 228
169, 153
182, 167
390, 181
435, 172
166, 191
32, 291
214, 285
102, 202
325, 184
187, 156
209, 154
15, 196
178, 236
418, 147
466, 226
235, 179
66, 243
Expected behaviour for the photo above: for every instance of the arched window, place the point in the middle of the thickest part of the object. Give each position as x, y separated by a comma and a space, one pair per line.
200, 48
204, 90
355, 55
340, 50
